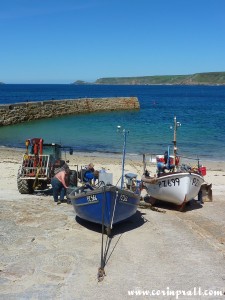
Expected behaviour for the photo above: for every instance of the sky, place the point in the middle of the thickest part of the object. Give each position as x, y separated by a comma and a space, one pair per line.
61, 41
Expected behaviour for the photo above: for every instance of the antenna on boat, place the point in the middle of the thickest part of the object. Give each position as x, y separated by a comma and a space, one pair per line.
176, 124
125, 132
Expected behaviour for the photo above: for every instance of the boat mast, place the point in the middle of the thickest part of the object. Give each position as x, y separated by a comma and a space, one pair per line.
125, 132
175, 139
124, 154
176, 124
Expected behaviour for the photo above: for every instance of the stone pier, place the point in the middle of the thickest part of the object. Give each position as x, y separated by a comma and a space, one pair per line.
28, 111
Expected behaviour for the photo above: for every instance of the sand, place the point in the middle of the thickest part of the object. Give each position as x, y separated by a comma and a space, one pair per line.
46, 253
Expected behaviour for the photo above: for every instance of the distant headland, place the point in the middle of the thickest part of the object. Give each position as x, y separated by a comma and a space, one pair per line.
211, 78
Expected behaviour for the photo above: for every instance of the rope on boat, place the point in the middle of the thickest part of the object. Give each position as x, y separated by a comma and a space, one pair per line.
131, 162
101, 271
104, 252
118, 180
146, 205
117, 193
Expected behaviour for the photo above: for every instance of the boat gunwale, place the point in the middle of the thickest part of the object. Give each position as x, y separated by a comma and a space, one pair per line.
148, 179
181, 173
106, 188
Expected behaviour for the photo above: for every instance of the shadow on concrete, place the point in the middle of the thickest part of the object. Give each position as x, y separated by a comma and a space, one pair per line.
189, 206
129, 224
118, 230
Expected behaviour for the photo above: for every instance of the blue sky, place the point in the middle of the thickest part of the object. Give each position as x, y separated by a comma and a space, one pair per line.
60, 41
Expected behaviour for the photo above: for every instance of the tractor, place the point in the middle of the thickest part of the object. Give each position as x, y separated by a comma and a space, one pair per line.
39, 164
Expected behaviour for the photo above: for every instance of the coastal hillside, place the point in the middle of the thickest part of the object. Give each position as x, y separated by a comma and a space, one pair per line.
212, 78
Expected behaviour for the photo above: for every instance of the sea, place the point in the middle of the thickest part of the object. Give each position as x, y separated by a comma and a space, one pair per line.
200, 110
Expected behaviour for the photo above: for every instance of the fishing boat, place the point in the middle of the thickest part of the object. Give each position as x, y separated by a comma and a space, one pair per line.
107, 204
174, 182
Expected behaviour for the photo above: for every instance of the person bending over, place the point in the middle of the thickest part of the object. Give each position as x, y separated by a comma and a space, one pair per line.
59, 185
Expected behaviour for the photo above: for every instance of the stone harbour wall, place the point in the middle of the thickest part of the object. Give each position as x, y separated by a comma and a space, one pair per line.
28, 111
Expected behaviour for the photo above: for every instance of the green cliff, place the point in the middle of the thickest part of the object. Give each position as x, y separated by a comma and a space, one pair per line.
212, 78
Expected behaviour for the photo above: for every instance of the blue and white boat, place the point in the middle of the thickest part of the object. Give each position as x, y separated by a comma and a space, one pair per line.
108, 204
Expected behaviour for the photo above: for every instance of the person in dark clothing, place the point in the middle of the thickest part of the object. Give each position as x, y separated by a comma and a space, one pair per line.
90, 175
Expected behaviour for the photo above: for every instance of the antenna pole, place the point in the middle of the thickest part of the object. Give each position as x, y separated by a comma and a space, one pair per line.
124, 154
175, 140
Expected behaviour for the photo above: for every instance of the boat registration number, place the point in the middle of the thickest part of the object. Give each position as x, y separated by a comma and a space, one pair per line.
123, 198
196, 182
92, 198
169, 182
176, 182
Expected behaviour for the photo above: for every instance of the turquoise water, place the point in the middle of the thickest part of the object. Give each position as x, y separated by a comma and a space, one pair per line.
199, 109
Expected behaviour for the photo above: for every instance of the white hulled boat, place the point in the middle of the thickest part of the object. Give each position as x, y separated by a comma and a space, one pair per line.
174, 183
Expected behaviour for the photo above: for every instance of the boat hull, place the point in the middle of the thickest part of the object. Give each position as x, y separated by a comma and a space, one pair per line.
175, 188
108, 204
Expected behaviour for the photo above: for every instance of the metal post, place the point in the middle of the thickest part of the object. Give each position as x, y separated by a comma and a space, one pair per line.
124, 153
175, 140
144, 163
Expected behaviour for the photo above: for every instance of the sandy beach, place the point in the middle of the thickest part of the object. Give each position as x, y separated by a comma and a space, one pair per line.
46, 253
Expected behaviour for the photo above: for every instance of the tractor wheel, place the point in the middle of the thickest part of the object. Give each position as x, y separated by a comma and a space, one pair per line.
24, 186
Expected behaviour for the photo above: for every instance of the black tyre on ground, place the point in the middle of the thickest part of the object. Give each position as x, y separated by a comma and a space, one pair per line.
24, 186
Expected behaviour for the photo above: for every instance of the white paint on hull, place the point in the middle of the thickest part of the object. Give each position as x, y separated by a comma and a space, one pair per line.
175, 187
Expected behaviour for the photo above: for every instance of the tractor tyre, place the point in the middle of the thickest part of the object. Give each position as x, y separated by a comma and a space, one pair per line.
24, 186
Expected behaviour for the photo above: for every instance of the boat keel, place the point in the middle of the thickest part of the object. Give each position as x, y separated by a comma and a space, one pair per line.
182, 206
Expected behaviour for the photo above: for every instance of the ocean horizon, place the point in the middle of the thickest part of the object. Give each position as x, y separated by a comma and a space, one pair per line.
199, 109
